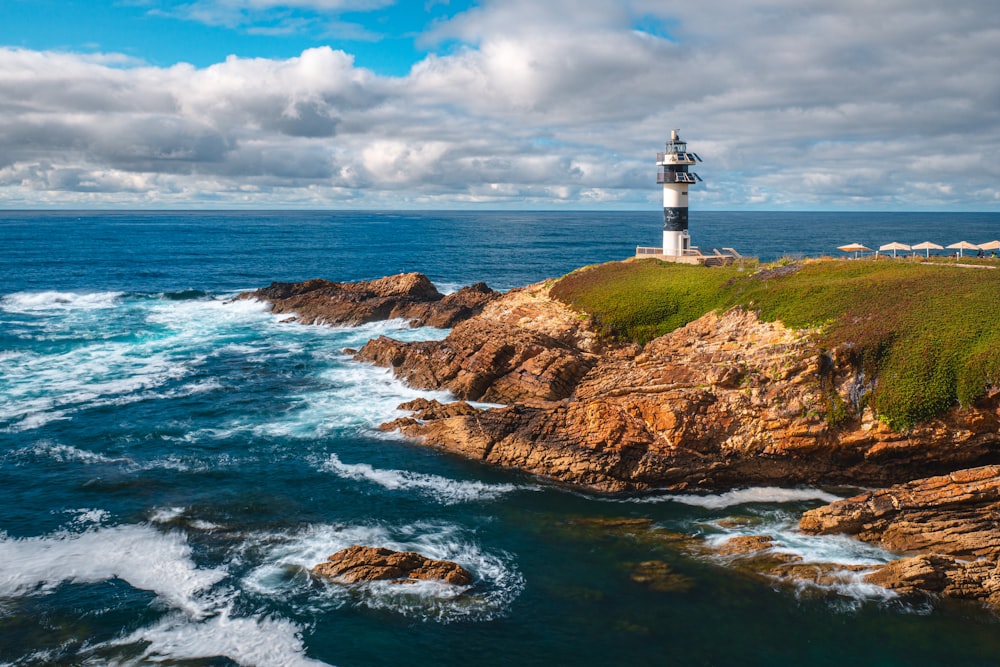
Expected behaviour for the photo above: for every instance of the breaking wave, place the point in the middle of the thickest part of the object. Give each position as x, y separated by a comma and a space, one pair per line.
754, 495
43, 302
201, 621
444, 490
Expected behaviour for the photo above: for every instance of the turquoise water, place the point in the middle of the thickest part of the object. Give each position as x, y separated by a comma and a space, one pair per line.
173, 461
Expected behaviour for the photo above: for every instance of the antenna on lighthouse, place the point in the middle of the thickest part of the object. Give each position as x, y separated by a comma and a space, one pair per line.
675, 177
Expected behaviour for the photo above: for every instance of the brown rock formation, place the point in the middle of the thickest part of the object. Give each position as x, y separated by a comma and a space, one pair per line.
360, 563
424, 409
743, 545
409, 296
952, 523
488, 361
523, 348
726, 401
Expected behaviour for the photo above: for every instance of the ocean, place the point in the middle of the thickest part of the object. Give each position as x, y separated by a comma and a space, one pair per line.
173, 462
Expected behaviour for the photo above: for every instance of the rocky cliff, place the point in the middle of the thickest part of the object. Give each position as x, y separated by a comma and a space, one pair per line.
727, 400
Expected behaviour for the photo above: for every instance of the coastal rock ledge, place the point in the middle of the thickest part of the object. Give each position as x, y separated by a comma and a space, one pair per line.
409, 296
360, 564
947, 526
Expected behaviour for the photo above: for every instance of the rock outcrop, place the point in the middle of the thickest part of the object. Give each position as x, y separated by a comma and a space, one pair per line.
523, 348
409, 296
360, 563
948, 526
727, 400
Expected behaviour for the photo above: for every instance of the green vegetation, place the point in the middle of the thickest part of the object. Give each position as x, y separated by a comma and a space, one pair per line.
929, 332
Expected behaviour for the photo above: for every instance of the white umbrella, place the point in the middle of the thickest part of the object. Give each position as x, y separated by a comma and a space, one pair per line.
990, 245
928, 246
893, 247
963, 245
853, 247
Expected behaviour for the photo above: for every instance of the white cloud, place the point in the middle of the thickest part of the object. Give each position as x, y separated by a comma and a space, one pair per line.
792, 104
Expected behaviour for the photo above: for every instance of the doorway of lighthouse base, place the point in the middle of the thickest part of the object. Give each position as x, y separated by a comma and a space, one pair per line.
676, 243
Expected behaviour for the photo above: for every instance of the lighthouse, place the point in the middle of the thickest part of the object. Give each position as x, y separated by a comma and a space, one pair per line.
673, 173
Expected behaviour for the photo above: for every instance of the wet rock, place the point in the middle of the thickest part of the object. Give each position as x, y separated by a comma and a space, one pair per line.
947, 525
360, 563
956, 514
423, 410
485, 360
920, 574
745, 544
433, 409
409, 296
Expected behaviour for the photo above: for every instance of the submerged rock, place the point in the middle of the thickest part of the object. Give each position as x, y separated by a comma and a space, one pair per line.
360, 563
657, 575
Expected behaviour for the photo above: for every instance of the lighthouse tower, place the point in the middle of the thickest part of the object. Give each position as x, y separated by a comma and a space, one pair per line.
673, 172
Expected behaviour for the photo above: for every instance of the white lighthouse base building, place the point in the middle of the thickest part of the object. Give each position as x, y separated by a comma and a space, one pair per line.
676, 244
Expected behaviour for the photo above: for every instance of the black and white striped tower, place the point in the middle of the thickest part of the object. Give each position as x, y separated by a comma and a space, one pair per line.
673, 172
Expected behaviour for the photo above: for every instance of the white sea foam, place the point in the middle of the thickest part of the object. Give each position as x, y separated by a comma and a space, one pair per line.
90, 517
837, 549
48, 388
204, 624
166, 514
40, 302
355, 396
145, 558
14, 356
842, 550
261, 642
46, 449
169, 515
442, 489
754, 495
449, 288
169, 340
850, 591
287, 557
66, 453
782, 526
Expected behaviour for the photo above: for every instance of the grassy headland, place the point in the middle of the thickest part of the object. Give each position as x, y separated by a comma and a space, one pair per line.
929, 333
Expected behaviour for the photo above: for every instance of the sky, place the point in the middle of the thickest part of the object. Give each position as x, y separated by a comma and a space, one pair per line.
881, 105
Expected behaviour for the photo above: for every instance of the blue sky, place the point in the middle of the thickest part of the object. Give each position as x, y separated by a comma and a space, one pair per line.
794, 104
382, 36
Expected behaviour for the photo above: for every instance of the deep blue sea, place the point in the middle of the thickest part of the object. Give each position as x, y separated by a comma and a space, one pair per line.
172, 462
